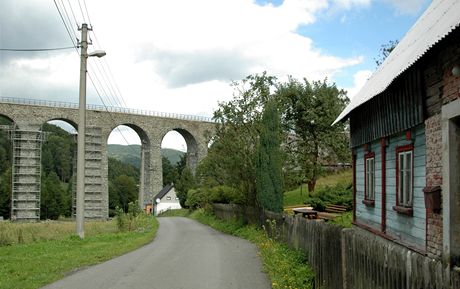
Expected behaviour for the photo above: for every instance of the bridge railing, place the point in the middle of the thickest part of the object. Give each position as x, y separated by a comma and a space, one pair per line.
63, 104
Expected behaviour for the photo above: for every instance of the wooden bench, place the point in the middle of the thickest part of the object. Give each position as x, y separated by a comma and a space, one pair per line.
336, 209
332, 212
307, 213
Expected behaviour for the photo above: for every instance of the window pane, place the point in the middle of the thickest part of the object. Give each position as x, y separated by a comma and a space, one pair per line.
408, 161
401, 179
407, 190
372, 186
401, 161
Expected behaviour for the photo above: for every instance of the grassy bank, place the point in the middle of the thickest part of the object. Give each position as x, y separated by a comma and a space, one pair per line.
286, 268
33, 264
25, 233
300, 195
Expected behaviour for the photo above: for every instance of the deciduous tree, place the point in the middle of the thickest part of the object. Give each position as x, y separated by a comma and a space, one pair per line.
309, 110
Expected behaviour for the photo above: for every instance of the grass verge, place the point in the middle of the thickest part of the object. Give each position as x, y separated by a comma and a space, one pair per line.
299, 195
35, 264
345, 220
287, 268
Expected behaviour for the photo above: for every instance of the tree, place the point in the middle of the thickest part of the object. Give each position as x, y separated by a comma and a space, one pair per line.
170, 173
269, 164
126, 189
309, 110
51, 203
231, 158
185, 183
384, 51
5, 194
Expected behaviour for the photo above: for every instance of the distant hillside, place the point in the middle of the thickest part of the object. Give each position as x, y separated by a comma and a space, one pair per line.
132, 154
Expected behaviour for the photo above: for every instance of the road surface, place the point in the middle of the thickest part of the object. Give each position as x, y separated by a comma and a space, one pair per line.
184, 255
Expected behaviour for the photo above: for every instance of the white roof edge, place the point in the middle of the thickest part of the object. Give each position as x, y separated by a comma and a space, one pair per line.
439, 20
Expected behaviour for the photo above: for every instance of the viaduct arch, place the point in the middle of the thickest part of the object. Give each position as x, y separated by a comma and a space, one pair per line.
28, 116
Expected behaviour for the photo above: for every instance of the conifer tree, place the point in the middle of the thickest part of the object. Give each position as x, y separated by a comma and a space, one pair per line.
269, 181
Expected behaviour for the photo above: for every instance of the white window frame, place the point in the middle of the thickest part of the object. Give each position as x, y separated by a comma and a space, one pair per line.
370, 178
405, 178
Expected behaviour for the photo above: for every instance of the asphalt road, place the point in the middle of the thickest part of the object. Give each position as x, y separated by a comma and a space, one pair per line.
185, 254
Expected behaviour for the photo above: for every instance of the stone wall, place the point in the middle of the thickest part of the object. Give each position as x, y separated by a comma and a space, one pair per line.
441, 88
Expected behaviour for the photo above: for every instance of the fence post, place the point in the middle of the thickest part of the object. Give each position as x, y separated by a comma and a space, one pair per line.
344, 258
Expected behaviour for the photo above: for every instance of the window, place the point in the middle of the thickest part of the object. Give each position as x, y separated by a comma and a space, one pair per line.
404, 179
168, 198
369, 179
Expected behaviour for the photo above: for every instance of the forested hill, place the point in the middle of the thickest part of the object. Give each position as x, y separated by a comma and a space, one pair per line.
131, 154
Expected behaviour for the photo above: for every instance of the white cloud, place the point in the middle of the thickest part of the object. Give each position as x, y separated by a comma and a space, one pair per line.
176, 56
411, 7
348, 4
180, 56
359, 79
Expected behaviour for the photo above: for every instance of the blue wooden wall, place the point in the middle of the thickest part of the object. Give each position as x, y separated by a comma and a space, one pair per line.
408, 229
370, 216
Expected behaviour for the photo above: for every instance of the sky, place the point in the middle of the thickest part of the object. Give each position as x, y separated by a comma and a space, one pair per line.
180, 56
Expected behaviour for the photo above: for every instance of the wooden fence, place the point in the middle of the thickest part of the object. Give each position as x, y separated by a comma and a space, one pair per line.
349, 258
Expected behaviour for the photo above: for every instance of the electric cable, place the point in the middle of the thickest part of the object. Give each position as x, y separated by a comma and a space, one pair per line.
36, 49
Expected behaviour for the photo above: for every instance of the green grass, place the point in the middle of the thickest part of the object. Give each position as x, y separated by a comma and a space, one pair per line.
24, 233
176, 213
344, 220
35, 264
287, 268
298, 196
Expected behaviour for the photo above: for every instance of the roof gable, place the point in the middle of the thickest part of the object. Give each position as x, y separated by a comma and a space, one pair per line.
440, 19
163, 192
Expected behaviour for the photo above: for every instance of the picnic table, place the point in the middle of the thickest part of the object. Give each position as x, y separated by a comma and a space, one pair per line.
307, 213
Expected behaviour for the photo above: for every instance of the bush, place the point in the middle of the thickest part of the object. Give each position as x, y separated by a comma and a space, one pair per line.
203, 197
133, 220
339, 194
227, 195
197, 198
317, 204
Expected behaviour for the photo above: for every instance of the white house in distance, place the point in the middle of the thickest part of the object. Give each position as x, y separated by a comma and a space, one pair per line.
168, 200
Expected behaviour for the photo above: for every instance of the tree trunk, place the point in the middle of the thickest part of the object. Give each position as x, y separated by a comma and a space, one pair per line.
311, 185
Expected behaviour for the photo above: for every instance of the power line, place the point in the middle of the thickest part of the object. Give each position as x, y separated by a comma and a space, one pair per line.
35, 49
87, 13
68, 18
110, 114
66, 28
81, 10
71, 9
75, 46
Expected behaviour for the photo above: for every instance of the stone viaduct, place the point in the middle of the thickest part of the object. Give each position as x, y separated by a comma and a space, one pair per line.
28, 116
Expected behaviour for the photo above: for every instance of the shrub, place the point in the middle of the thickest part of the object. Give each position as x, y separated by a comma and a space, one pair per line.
317, 204
133, 220
339, 194
196, 198
203, 197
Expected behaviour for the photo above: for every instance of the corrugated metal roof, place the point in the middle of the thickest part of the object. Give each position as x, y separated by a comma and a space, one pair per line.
440, 18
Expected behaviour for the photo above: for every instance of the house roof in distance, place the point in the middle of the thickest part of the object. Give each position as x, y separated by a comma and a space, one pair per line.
163, 192
440, 19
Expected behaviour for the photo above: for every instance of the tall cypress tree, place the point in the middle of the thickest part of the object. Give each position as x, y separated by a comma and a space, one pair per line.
269, 165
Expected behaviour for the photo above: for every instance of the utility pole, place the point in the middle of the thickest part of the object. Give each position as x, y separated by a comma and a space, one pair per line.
80, 211
142, 182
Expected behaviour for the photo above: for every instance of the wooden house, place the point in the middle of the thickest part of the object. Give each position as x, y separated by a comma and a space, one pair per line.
405, 138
